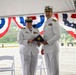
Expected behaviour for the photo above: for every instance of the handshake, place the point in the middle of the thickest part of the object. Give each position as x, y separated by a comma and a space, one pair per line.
39, 41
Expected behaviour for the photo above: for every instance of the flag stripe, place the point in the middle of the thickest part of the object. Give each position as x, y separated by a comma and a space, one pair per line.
3, 33
72, 34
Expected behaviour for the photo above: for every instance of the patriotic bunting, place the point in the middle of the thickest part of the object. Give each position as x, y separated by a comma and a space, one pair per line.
67, 21
4, 26
37, 20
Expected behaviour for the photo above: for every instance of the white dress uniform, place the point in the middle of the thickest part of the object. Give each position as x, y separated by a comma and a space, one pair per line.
29, 51
51, 50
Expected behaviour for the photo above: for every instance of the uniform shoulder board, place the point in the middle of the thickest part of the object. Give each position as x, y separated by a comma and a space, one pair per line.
23, 28
54, 20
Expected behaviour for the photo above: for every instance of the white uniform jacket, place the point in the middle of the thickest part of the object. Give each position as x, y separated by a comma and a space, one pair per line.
51, 35
23, 36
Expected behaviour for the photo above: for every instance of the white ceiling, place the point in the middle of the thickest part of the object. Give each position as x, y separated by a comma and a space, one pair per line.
23, 7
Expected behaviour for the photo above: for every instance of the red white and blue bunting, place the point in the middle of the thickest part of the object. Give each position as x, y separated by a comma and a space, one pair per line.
37, 20
67, 21
4, 26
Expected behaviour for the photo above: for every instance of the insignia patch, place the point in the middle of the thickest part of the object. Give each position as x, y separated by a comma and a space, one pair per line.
35, 32
54, 20
50, 24
23, 28
39, 38
26, 32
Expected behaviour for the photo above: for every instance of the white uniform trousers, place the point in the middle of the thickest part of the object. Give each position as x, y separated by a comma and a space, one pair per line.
29, 63
52, 63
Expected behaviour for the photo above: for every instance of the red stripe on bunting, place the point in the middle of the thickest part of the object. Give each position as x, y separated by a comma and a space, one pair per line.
14, 18
9, 21
73, 15
72, 34
33, 17
56, 15
42, 32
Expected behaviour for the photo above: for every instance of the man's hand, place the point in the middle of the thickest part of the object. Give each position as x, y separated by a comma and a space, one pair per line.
42, 52
30, 41
38, 43
44, 42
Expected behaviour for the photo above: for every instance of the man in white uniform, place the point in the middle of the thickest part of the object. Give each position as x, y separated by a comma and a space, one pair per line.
28, 47
50, 45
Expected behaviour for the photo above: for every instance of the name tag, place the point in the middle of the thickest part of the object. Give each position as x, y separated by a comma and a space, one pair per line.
50, 24
26, 32
35, 32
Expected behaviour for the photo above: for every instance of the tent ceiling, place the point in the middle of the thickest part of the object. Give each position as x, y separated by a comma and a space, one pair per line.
23, 7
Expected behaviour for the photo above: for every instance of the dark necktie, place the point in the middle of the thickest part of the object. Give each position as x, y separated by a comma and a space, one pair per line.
30, 30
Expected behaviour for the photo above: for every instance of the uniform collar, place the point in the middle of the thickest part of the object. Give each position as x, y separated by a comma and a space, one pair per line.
29, 30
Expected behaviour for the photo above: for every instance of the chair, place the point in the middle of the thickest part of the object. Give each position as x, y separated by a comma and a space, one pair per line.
10, 60
40, 65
